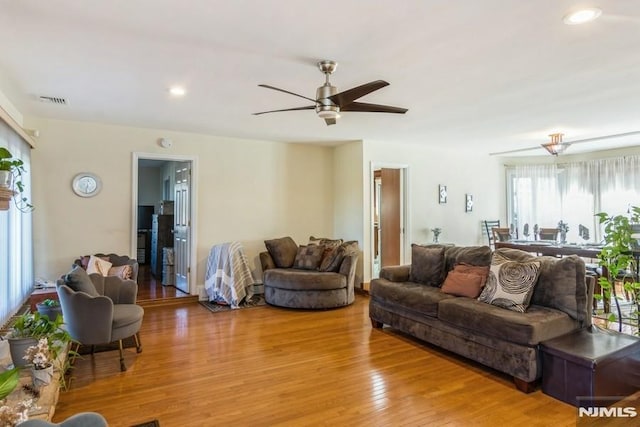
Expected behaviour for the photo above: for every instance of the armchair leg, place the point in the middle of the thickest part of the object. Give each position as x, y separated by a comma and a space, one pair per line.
122, 365
93, 349
136, 336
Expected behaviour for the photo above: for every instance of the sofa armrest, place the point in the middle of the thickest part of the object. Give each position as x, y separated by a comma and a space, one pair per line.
396, 273
348, 268
266, 261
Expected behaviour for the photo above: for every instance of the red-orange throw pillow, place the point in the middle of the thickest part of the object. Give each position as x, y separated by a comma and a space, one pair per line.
465, 280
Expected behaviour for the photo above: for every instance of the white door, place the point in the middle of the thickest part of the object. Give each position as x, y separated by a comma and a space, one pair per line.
182, 226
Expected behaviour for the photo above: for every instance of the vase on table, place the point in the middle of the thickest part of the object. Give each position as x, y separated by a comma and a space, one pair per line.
43, 376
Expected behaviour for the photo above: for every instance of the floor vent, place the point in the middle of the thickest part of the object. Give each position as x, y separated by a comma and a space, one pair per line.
53, 100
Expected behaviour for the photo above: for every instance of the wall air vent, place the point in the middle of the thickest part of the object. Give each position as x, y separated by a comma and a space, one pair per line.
53, 100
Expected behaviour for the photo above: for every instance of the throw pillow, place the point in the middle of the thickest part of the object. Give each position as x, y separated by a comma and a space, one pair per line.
283, 251
122, 271
510, 283
78, 279
427, 265
465, 280
98, 265
84, 260
324, 241
308, 257
332, 260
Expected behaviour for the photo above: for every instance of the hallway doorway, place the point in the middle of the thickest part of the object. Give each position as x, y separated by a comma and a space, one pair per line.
389, 216
163, 224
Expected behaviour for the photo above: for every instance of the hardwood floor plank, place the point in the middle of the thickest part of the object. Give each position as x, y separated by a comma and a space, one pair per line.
273, 366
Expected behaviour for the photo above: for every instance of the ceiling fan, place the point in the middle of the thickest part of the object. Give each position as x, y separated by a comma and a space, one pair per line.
329, 103
556, 146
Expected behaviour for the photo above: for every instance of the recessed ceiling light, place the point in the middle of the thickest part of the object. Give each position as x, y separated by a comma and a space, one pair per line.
177, 91
582, 16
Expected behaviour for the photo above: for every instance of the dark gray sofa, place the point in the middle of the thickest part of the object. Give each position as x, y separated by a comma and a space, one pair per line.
502, 339
296, 288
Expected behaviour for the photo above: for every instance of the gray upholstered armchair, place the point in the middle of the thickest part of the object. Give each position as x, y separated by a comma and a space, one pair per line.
100, 310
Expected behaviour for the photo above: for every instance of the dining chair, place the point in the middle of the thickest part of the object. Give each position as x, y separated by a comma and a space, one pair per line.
488, 226
501, 234
548, 234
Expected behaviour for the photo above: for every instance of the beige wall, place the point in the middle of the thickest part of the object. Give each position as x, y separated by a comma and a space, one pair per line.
462, 173
247, 191
348, 194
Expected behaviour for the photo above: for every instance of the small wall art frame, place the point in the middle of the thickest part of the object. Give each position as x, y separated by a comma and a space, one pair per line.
442, 194
468, 203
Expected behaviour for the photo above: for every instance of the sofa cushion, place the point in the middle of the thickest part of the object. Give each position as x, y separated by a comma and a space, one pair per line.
308, 257
510, 283
410, 295
332, 260
294, 279
78, 280
98, 265
283, 251
427, 265
471, 255
561, 282
530, 328
465, 280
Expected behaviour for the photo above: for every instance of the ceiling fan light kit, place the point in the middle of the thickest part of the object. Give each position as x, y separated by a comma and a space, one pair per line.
329, 102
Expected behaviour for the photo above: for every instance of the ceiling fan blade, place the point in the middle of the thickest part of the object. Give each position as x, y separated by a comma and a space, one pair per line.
286, 91
330, 122
309, 107
350, 95
372, 108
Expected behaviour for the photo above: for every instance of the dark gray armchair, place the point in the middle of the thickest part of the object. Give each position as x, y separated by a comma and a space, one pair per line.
100, 310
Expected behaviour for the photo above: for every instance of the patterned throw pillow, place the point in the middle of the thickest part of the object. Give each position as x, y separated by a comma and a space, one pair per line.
283, 251
308, 257
333, 260
122, 271
510, 283
98, 265
334, 243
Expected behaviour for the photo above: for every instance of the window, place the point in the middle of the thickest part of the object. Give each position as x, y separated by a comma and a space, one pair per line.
16, 251
572, 193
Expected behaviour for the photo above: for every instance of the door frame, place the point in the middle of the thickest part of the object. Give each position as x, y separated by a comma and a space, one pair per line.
192, 207
405, 245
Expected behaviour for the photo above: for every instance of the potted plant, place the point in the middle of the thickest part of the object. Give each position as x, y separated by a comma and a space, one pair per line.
28, 328
11, 185
617, 260
50, 308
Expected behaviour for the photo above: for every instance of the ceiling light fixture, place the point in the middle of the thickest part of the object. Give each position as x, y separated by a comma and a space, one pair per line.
556, 146
582, 16
177, 91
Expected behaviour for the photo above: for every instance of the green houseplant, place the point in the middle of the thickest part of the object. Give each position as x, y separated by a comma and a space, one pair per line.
11, 185
50, 308
617, 260
28, 328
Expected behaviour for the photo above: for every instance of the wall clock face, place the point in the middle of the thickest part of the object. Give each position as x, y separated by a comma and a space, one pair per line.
86, 184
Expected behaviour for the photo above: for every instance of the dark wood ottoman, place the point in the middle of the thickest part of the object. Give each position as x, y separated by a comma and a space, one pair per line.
591, 367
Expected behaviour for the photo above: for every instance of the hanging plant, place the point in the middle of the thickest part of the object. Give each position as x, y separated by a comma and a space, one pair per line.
11, 185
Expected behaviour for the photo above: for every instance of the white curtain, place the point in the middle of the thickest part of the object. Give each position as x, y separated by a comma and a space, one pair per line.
16, 249
573, 193
536, 197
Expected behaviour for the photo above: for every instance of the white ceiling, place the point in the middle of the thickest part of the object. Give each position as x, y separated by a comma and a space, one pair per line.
488, 75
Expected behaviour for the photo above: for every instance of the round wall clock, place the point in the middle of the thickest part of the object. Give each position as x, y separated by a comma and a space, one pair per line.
86, 184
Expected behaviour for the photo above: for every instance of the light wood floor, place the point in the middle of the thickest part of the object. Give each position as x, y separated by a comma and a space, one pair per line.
272, 366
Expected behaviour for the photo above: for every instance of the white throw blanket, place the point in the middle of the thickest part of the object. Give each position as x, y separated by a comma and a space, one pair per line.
228, 278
